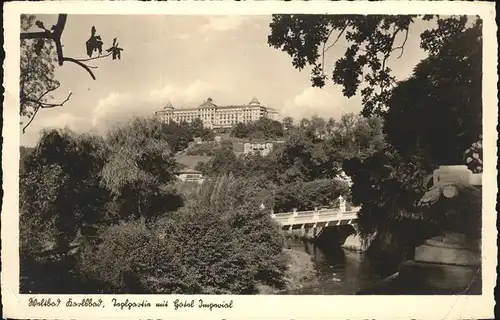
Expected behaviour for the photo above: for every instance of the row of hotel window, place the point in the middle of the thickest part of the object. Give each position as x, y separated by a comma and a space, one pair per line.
217, 120
222, 117
233, 110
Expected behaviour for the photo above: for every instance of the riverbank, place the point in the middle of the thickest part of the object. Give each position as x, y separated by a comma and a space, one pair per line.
300, 271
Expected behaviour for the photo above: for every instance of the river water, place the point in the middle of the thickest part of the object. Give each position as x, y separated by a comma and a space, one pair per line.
339, 271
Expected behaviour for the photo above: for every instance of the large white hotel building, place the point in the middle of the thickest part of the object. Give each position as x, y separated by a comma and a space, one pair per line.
218, 117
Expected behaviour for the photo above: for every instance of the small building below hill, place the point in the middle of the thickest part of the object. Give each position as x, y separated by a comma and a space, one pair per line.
190, 175
263, 148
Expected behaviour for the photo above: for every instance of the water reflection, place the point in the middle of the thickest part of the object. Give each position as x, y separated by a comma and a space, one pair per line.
339, 271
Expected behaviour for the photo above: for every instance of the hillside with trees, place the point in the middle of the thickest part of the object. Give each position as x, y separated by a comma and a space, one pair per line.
139, 211
262, 129
129, 175
307, 164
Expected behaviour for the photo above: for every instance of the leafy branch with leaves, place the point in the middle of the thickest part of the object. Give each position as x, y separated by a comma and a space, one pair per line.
371, 39
40, 51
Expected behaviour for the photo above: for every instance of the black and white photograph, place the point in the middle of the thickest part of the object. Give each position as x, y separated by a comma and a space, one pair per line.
281, 154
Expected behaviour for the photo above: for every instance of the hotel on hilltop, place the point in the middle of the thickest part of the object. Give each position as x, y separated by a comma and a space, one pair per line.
218, 117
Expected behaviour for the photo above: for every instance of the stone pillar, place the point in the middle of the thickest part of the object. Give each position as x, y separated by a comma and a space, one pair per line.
342, 205
449, 263
445, 263
316, 214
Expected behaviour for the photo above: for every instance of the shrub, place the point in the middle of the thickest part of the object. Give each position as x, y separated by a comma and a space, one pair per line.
231, 244
308, 195
114, 264
138, 167
218, 244
202, 150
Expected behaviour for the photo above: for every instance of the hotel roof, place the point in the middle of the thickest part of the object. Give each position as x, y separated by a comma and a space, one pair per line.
254, 101
210, 104
168, 105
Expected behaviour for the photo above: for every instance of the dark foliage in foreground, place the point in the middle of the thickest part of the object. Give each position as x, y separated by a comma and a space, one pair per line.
97, 217
74, 186
217, 244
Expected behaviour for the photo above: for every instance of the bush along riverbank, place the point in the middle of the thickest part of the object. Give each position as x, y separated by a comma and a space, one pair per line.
300, 271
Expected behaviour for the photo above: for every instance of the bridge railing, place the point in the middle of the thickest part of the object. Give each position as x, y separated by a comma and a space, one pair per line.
323, 216
316, 215
314, 212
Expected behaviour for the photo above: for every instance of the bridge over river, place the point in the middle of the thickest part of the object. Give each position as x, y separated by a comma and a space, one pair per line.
314, 222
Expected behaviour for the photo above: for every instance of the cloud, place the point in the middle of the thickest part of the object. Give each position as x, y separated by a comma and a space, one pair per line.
119, 107
193, 93
197, 90
103, 105
62, 120
223, 23
55, 119
220, 24
327, 102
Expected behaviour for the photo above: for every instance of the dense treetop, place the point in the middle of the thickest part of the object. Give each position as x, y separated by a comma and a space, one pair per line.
263, 128
371, 40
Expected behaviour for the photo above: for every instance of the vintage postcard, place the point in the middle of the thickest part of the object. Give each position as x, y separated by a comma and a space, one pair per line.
249, 160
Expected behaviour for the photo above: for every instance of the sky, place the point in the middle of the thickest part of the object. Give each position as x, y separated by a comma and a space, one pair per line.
186, 59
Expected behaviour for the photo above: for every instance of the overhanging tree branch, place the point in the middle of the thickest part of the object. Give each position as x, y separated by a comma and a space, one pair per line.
401, 47
323, 53
39, 104
324, 50
58, 30
31, 119
336, 40
43, 105
36, 35
95, 58
55, 34
81, 64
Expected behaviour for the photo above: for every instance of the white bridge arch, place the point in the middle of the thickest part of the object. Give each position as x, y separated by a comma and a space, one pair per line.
318, 219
